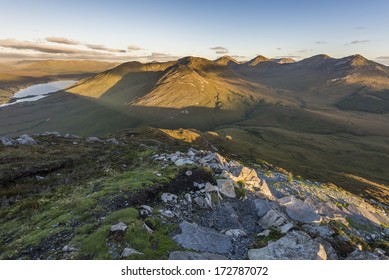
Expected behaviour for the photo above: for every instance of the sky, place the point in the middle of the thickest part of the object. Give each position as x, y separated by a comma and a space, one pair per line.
149, 30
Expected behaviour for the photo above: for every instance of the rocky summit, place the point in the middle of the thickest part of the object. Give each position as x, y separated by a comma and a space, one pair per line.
133, 196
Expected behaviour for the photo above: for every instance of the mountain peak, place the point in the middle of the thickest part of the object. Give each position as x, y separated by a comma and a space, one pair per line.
225, 60
256, 60
356, 60
284, 60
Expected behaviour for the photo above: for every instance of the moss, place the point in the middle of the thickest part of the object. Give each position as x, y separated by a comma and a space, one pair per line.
240, 193
127, 216
263, 241
290, 177
95, 245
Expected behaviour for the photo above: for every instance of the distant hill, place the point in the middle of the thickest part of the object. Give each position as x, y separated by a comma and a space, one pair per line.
18, 75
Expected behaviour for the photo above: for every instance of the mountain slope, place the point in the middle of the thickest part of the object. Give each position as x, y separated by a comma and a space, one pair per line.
321, 117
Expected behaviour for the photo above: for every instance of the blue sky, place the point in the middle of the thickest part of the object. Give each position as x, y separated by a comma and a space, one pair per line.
163, 30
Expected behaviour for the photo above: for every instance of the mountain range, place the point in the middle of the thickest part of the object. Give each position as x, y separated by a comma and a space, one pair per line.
320, 117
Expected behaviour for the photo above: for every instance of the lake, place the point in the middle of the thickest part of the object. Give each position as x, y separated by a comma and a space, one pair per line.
37, 92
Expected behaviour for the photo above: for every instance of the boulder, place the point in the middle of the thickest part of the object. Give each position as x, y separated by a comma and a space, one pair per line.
188, 198
203, 239
129, 251
210, 188
273, 218
69, 248
168, 197
145, 210
227, 187
52, 133
200, 201
265, 233
299, 210
362, 255
286, 227
26, 140
7, 141
94, 139
167, 213
184, 255
296, 245
262, 206
182, 162
112, 141
71, 136
119, 227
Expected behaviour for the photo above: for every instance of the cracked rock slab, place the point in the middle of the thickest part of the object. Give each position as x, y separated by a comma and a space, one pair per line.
203, 239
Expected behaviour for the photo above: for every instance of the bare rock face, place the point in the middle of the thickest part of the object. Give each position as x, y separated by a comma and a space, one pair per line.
203, 239
296, 245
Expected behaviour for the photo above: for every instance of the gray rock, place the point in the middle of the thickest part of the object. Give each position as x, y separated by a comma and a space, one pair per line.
167, 213
210, 188
227, 187
262, 206
296, 245
129, 251
188, 198
182, 162
26, 140
39, 178
203, 239
52, 133
69, 248
200, 201
265, 233
112, 141
235, 232
273, 218
299, 210
188, 173
94, 139
362, 255
191, 153
119, 227
330, 251
286, 227
316, 230
145, 210
72, 136
168, 197
147, 228
184, 255
7, 141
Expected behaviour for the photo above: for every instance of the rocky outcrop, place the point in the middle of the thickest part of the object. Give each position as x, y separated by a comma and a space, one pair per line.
242, 204
26, 140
